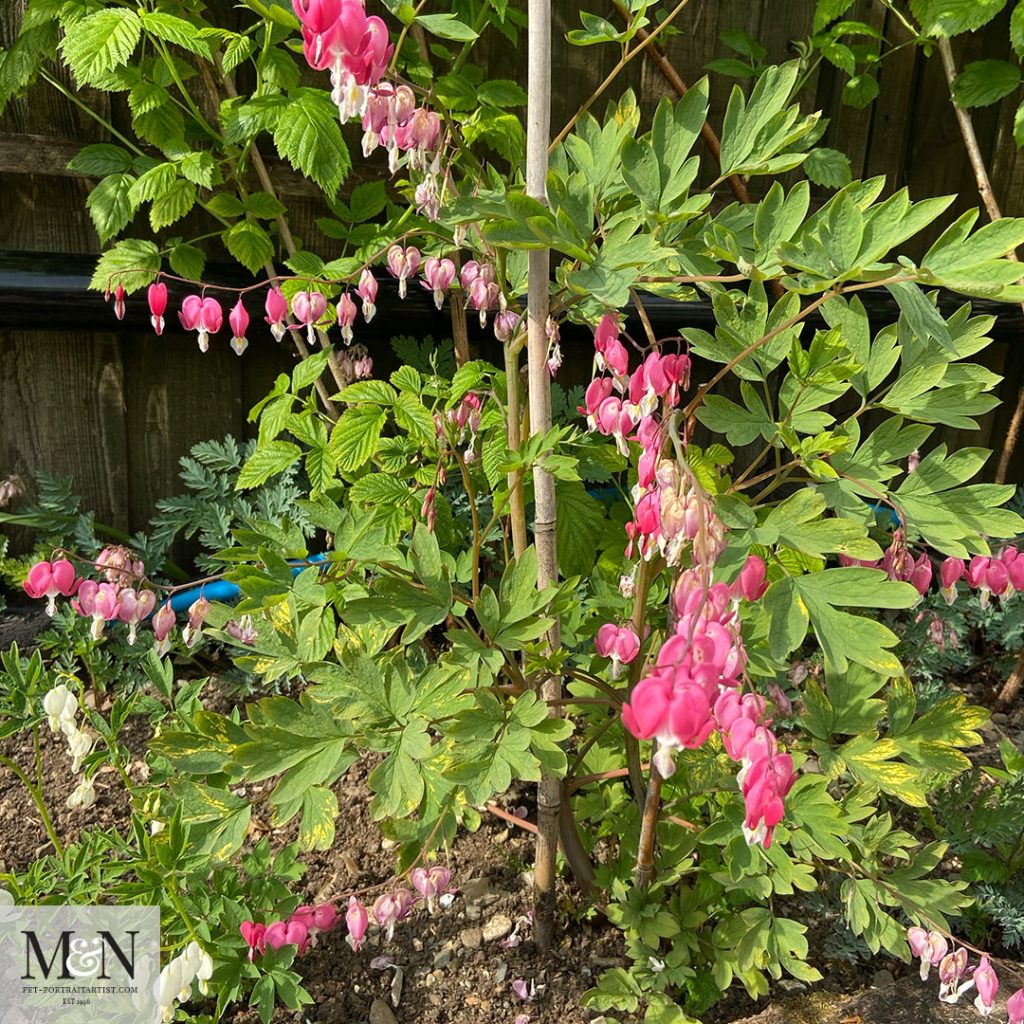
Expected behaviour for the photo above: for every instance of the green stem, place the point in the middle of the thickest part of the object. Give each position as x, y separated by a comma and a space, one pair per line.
185, 94
37, 797
67, 94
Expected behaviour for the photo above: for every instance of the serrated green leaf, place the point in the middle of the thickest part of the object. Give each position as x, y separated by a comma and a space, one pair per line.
266, 461
109, 205
307, 135
101, 42
249, 244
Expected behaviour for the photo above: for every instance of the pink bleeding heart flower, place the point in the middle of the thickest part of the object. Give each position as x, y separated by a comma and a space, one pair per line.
136, 605
367, 291
619, 643
438, 275
920, 576
597, 391
930, 947
98, 601
390, 908
403, 264
1015, 570
275, 935
987, 984
255, 937
765, 784
326, 917
157, 296
308, 308
303, 914
119, 302
346, 317
297, 934
607, 331
239, 322
468, 274
997, 577
951, 970
163, 623
204, 316
430, 882
51, 580
357, 920
1015, 1007
505, 324
277, 310
952, 570
196, 616
751, 582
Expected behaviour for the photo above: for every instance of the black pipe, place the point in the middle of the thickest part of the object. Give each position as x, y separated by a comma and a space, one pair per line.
49, 292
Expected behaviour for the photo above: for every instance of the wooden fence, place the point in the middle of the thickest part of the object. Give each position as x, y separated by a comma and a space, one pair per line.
116, 409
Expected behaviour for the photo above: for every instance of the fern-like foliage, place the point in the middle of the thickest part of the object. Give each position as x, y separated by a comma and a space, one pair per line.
212, 508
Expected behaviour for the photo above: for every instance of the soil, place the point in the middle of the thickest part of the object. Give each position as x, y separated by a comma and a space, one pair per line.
454, 969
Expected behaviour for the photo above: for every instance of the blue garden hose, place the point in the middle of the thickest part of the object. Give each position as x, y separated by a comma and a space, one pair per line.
222, 590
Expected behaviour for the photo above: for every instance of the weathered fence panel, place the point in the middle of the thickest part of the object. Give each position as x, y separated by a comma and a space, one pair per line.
116, 409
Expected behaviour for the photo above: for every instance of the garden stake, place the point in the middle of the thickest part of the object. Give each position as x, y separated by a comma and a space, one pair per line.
549, 790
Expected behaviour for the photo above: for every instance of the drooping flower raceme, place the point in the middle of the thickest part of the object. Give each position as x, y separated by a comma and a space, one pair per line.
191, 965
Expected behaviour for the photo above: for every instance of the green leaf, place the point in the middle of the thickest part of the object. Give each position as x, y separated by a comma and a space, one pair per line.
1017, 30
983, 82
188, 261
952, 17
239, 48
398, 781
308, 136
922, 315
176, 30
109, 205
355, 436
844, 637
826, 11
101, 42
367, 200
579, 525
199, 168
266, 461
870, 760
133, 263
319, 811
828, 167
249, 244
860, 91
154, 183
501, 92
172, 205
218, 820
100, 159
447, 26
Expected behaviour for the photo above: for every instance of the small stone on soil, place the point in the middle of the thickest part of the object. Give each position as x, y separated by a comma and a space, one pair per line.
497, 927
471, 937
380, 1013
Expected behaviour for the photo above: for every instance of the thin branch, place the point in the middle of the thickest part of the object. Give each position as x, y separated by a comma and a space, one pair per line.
659, 58
614, 73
